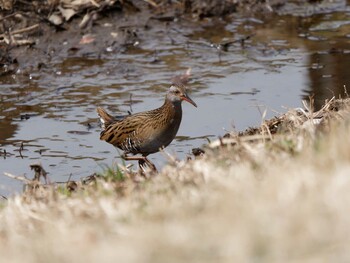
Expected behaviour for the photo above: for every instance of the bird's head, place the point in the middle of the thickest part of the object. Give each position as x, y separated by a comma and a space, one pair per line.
178, 93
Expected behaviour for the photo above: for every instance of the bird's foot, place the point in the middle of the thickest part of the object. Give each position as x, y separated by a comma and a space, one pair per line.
145, 165
148, 164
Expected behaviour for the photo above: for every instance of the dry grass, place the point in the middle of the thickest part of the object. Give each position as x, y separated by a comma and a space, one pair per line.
282, 199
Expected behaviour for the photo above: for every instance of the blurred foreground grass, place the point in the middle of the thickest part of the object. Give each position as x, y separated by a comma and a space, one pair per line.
279, 197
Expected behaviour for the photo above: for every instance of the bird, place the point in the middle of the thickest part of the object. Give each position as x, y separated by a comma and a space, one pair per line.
144, 133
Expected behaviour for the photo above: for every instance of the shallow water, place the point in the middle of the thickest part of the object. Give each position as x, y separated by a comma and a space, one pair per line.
52, 110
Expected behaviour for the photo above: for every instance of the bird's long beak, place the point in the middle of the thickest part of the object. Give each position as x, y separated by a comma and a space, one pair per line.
188, 99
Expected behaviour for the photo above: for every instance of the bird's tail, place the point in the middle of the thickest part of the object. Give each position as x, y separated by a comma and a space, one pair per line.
105, 118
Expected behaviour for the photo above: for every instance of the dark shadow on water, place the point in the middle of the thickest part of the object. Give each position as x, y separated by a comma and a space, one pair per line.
328, 76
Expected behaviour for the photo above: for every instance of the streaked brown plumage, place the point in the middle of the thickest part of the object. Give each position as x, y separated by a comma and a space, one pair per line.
146, 132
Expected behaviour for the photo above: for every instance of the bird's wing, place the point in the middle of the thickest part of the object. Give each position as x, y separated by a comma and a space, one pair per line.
125, 133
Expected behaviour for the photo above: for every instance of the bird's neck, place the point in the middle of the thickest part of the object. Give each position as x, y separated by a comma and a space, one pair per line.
172, 109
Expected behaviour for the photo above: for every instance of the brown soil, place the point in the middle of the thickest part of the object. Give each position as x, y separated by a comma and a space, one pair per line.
31, 32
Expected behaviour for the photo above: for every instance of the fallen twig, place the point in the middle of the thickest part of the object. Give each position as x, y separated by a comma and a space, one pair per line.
8, 16
152, 3
20, 31
26, 29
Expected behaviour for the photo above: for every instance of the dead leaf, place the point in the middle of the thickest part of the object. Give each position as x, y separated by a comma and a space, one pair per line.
6, 4
67, 13
78, 3
87, 39
85, 20
56, 19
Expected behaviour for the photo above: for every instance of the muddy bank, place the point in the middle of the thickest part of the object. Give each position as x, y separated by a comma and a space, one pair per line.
31, 30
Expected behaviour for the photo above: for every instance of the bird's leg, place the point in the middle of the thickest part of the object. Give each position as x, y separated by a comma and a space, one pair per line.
142, 168
142, 160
